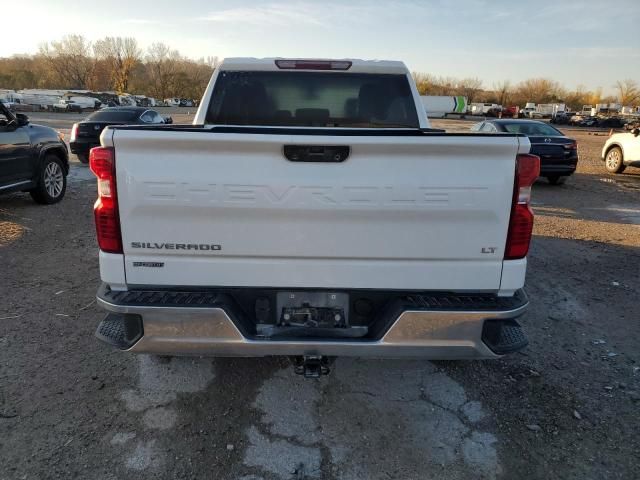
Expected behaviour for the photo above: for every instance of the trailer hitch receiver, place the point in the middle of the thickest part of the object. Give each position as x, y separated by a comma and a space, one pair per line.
312, 366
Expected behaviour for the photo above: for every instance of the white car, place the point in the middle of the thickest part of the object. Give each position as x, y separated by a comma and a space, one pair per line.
621, 151
67, 105
172, 102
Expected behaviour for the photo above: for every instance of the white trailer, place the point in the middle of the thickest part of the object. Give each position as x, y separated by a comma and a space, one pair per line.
40, 97
559, 108
476, 108
439, 106
547, 110
588, 110
606, 108
630, 110
7, 95
10, 98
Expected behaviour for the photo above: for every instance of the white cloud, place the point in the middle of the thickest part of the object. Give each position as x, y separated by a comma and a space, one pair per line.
275, 14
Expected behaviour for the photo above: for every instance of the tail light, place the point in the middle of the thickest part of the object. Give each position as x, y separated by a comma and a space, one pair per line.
521, 221
571, 146
313, 64
102, 162
74, 133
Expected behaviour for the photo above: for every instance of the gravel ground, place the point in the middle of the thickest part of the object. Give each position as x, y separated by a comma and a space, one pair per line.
567, 407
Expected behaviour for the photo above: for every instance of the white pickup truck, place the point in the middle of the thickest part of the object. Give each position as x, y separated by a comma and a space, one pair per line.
311, 211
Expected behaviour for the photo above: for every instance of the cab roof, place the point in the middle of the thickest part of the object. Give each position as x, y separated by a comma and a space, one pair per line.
357, 65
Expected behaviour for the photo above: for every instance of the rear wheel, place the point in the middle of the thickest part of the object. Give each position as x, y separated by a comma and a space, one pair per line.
83, 157
556, 179
613, 162
52, 182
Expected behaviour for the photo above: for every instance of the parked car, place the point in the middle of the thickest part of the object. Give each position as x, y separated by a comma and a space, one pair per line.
68, 105
562, 118
86, 134
610, 122
33, 158
510, 111
622, 150
558, 153
527, 110
575, 119
590, 122
632, 124
316, 215
10, 104
582, 121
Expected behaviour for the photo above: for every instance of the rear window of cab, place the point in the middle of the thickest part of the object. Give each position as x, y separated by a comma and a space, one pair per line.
312, 99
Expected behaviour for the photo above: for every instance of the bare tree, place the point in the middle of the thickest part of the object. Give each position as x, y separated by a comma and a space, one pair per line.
71, 60
121, 55
19, 72
196, 76
578, 97
162, 68
110, 63
212, 62
445, 86
502, 92
628, 92
595, 96
538, 90
469, 87
423, 81
431, 85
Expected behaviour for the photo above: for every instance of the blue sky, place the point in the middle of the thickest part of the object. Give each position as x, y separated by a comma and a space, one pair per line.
592, 43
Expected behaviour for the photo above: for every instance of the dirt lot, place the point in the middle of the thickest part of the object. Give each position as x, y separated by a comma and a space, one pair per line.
567, 407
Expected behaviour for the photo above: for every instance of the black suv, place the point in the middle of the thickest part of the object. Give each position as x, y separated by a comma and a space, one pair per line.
33, 158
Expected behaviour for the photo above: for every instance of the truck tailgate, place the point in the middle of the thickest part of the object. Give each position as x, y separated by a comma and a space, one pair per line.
229, 209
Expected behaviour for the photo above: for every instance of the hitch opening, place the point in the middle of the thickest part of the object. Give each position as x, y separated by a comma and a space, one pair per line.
312, 366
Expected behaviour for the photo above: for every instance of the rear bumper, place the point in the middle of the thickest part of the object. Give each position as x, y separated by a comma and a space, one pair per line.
557, 170
206, 326
559, 166
80, 147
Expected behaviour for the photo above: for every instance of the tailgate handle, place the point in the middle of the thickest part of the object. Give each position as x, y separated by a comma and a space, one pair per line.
317, 153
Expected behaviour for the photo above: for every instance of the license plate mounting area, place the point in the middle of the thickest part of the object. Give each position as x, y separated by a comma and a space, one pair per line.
313, 309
